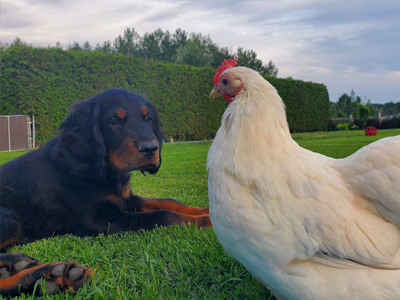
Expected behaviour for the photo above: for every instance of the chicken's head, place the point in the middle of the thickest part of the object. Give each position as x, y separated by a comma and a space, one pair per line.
225, 83
242, 84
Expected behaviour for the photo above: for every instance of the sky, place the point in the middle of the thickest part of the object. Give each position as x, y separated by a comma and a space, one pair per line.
346, 45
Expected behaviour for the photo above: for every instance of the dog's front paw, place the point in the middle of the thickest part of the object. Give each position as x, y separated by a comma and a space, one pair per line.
63, 277
13, 263
21, 274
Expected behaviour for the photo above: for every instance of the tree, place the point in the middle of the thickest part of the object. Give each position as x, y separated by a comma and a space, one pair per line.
345, 105
353, 105
4, 46
391, 108
193, 54
335, 111
196, 51
168, 48
248, 58
362, 114
75, 47
219, 54
270, 69
105, 48
18, 42
151, 44
179, 38
129, 44
180, 47
86, 47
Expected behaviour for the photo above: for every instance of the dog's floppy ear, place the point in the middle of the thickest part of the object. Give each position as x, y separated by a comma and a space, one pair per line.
80, 148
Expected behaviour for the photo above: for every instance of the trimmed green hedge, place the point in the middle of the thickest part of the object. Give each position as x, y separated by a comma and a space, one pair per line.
307, 103
45, 82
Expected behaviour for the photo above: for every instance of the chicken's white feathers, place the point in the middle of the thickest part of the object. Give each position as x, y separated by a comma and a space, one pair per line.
287, 213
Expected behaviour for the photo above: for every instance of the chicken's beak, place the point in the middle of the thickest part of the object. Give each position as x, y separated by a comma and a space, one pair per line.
216, 93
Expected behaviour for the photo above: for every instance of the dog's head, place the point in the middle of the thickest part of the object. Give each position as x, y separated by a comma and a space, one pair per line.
116, 130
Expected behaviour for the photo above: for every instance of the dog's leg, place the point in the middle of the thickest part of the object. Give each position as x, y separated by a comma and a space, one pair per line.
153, 204
9, 228
20, 273
153, 219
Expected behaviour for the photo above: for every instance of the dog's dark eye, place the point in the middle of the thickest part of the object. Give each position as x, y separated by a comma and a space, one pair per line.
115, 122
148, 118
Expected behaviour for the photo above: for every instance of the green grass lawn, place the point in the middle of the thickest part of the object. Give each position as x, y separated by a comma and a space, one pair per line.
7, 156
339, 144
173, 262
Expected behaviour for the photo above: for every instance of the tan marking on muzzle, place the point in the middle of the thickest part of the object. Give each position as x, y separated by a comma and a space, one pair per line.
128, 158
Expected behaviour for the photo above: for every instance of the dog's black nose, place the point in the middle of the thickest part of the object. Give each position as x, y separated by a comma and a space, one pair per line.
148, 149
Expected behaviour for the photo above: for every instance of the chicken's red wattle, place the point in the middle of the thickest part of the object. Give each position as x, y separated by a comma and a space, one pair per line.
228, 98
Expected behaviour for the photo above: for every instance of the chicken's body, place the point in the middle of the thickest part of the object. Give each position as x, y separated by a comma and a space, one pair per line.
305, 225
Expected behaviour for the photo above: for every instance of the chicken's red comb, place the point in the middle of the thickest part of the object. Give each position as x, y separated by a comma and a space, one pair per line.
226, 64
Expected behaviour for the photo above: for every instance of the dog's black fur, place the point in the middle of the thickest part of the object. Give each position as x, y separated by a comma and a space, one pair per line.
78, 182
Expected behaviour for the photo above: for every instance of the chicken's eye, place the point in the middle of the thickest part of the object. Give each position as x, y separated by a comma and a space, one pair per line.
225, 81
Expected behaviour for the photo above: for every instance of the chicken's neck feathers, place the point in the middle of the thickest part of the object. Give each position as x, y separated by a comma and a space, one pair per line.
254, 133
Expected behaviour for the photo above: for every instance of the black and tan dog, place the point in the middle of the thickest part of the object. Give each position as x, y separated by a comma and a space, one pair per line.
78, 183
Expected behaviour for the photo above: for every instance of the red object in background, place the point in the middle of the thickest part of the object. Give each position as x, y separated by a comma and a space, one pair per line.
371, 130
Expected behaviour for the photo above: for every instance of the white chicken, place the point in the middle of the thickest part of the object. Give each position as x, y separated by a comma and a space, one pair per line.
307, 226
